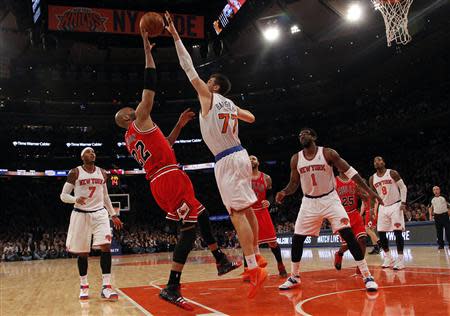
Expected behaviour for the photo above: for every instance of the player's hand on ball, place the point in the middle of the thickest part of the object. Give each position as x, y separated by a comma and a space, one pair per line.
170, 27
280, 197
265, 204
147, 45
186, 117
81, 200
117, 222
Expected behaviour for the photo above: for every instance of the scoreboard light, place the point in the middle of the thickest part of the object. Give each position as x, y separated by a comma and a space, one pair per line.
227, 15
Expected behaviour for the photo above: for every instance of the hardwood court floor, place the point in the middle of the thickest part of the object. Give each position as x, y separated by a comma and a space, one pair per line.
51, 287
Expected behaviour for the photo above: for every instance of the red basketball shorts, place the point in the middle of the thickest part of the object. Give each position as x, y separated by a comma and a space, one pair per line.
174, 193
266, 231
356, 224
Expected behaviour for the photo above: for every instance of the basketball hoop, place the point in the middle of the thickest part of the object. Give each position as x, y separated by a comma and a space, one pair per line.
395, 16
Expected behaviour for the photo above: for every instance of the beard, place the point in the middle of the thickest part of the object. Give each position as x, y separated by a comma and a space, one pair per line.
307, 143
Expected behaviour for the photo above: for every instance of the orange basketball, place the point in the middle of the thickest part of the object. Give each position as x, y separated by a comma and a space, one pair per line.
153, 23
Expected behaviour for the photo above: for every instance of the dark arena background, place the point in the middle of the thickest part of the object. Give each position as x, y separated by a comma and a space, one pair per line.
66, 68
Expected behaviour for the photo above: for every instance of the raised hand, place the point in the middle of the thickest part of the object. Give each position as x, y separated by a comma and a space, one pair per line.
186, 117
147, 45
170, 27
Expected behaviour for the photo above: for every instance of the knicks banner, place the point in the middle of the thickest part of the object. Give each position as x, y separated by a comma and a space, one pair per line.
81, 19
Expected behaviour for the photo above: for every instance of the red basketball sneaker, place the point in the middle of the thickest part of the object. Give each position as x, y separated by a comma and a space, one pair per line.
257, 277
262, 263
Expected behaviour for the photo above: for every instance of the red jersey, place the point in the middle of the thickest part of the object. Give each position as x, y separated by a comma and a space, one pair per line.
260, 187
150, 149
347, 191
367, 208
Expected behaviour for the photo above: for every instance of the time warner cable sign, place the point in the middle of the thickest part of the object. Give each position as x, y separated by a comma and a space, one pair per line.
419, 233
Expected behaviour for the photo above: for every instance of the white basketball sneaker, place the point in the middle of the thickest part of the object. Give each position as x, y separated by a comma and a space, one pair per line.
291, 282
399, 264
109, 294
387, 262
371, 285
84, 292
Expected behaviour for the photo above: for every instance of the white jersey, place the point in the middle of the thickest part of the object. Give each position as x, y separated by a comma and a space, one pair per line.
440, 205
386, 188
220, 126
90, 185
316, 175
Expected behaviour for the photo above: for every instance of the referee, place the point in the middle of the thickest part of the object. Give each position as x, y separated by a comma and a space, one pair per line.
441, 210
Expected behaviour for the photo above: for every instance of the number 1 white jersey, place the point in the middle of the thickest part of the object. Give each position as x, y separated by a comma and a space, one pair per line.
220, 126
316, 175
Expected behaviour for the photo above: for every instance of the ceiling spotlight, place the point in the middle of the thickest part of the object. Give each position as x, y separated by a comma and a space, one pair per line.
354, 12
295, 29
272, 33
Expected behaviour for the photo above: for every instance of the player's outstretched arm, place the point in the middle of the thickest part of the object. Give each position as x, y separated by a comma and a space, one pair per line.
185, 118
334, 159
188, 67
294, 181
245, 115
143, 120
66, 193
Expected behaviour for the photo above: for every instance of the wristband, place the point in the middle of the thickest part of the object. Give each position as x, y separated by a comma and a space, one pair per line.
350, 173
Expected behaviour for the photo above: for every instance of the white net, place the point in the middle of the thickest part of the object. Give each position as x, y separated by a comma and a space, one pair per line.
395, 15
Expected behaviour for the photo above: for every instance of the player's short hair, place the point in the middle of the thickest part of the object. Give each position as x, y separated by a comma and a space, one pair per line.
223, 82
311, 131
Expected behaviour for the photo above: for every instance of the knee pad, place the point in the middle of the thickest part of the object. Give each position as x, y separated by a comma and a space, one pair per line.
205, 228
297, 247
185, 243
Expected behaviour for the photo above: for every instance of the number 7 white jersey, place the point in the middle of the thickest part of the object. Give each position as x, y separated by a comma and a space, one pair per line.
90, 186
220, 126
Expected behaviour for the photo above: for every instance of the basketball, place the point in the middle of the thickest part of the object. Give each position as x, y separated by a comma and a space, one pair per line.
152, 23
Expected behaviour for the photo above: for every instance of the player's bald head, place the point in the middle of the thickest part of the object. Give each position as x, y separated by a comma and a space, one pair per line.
125, 116
436, 190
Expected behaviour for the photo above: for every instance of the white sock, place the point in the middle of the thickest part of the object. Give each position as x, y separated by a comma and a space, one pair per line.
257, 250
251, 262
84, 280
388, 254
106, 278
295, 269
362, 265
400, 257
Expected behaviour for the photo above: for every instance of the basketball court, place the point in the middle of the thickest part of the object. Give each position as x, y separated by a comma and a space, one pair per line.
51, 287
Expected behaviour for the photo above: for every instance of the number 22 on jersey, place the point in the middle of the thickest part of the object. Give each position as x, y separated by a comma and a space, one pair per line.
140, 153
227, 117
